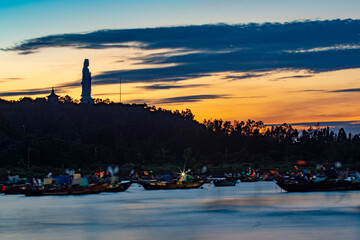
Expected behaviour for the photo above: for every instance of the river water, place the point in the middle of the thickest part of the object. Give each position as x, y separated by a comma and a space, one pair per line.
247, 211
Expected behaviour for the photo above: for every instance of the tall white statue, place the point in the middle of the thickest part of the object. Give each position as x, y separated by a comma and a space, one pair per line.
86, 83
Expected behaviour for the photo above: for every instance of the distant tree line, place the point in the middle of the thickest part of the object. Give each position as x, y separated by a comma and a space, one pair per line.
73, 135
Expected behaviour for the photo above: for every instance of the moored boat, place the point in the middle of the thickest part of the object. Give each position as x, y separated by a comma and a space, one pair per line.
162, 185
333, 185
246, 178
65, 190
119, 187
13, 189
227, 182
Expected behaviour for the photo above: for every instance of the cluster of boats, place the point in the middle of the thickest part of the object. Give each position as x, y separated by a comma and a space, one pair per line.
77, 185
65, 185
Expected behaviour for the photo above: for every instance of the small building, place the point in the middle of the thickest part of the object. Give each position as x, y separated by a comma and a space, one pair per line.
53, 98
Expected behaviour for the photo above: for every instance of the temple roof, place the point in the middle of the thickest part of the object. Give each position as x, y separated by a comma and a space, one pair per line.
53, 94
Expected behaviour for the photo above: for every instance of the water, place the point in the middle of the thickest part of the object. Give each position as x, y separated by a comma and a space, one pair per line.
248, 211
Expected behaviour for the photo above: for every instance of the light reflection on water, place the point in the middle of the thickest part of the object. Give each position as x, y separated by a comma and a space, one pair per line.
247, 211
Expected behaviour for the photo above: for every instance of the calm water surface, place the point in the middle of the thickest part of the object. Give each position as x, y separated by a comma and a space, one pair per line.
248, 211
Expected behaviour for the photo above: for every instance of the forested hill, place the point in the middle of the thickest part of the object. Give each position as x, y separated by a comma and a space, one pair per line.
71, 135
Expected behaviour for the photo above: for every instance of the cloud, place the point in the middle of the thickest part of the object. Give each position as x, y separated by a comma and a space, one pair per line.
167, 86
324, 124
251, 97
28, 92
180, 99
245, 76
347, 90
76, 83
355, 90
10, 79
322, 49
197, 51
291, 77
192, 98
349, 126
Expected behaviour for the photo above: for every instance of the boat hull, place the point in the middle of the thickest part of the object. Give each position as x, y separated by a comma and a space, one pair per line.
149, 185
118, 188
224, 183
14, 189
320, 186
94, 189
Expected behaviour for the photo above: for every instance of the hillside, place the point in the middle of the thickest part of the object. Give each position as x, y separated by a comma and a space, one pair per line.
71, 135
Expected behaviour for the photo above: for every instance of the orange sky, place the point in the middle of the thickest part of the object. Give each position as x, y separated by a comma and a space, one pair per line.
276, 97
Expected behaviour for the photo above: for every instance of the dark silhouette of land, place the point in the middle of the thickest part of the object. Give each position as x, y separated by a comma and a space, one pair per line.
35, 133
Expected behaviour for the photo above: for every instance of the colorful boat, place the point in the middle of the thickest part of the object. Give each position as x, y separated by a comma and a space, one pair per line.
162, 185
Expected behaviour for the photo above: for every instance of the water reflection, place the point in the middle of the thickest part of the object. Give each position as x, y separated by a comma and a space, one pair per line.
246, 211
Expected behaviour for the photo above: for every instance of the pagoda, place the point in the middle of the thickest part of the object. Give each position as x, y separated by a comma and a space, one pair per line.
53, 98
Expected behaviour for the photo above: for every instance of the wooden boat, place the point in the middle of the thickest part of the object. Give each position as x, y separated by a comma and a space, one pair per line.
339, 185
120, 187
162, 185
227, 182
248, 179
68, 190
14, 189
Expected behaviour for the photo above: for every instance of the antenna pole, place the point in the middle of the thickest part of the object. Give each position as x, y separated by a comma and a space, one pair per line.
120, 89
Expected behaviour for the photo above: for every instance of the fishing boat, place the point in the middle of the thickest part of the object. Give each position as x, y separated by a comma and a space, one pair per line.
227, 182
331, 185
119, 187
13, 189
246, 178
174, 184
65, 190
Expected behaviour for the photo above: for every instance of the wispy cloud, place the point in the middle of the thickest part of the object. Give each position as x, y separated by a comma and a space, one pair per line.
349, 126
168, 86
330, 123
192, 98
10, 79
180, 99
27, 92
245, 76
347, 90
292, 77
329, 48
251, 97
311, 90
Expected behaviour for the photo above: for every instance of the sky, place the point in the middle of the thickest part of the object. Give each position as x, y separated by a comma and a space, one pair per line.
276, 61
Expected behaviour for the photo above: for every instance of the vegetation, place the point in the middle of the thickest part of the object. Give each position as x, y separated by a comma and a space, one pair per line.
37, 134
